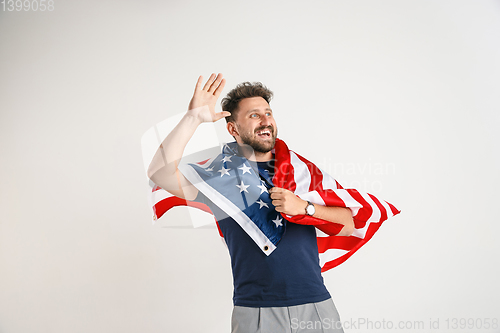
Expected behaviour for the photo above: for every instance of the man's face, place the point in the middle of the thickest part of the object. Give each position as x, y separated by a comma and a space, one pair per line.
255, 124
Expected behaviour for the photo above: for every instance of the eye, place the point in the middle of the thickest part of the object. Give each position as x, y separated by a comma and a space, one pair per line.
269, 114
253, 115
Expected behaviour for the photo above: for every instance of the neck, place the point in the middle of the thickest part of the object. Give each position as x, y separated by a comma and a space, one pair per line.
263, 157
253, 155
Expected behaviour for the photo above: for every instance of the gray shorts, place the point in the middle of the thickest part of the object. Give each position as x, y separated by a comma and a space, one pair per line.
318, 317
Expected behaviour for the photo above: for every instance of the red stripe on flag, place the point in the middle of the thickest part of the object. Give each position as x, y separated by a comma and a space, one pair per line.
162, 206
284, 175
315, 174
372, 228
330, 228
331, 198
347, 243
383, 212
364, 213
305, 219
218, 228
394, 210
202, 162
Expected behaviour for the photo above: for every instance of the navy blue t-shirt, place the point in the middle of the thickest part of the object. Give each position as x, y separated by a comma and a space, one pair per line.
289, 276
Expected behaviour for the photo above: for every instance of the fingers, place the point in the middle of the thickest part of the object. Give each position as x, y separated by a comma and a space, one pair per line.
279, 206
276, 192
219, 88
216, 83
209, 82
277, 196
285, 201
198, 84
220, 115
274, 189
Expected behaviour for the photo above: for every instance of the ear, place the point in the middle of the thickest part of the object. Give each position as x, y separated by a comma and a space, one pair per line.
231, 128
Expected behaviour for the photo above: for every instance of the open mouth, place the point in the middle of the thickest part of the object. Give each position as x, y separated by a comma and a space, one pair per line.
265, 133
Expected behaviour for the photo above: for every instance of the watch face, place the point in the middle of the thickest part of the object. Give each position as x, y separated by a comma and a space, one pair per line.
310, 209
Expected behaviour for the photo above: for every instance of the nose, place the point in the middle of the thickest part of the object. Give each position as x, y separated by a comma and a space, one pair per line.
265, 121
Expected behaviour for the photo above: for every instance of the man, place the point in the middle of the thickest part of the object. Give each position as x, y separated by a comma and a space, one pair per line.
278, 292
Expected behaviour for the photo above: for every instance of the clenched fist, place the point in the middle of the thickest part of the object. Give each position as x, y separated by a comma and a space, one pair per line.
287, 202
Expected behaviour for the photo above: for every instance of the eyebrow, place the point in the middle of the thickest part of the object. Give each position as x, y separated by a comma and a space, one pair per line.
252, 110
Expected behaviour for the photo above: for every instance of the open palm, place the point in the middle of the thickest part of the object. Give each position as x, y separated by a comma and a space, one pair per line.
207, 96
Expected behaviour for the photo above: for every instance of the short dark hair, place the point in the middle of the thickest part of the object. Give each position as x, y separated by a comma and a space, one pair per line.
241, 91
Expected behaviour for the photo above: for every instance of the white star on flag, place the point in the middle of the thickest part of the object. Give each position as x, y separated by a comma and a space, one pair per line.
296, 171
262, 204
223, 171
210, 169
277, 221
226, 159
242, 187
262, 188
245, 169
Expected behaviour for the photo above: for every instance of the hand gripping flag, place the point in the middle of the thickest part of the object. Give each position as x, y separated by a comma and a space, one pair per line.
232, 183
307, 181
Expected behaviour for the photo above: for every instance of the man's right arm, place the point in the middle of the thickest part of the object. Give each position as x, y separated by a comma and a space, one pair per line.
163, 170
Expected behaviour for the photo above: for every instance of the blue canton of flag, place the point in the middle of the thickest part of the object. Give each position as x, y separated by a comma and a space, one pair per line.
232, 183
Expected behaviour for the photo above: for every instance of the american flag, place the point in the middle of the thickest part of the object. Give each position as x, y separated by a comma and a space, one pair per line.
233, 184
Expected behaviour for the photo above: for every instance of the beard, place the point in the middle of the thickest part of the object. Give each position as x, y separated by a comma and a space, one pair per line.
259, 144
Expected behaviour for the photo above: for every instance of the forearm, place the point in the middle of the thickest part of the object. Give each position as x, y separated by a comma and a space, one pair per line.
338, 215
285, 201
163, 169
165, 161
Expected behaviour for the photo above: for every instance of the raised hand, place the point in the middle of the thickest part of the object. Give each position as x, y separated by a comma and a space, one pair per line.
202, 105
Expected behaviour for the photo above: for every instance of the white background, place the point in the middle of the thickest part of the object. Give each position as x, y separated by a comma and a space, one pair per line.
398, 97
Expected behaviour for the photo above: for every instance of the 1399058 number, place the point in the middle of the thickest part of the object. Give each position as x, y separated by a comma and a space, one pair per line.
472, 323
27, 5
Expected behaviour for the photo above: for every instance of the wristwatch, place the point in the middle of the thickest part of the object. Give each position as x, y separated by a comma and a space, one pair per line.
310, 209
